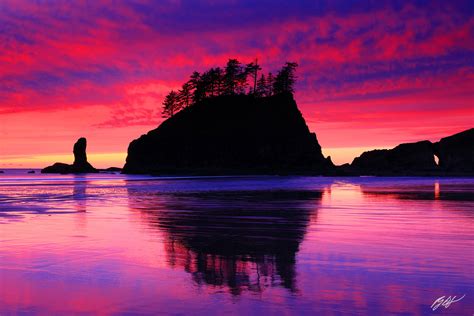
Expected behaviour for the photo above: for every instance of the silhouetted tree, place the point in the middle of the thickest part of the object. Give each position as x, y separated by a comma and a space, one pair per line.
235, 77
241, 82
211, 82
214, 79
193, 79
261, 89
285, 80
205, 84
185, 95
197, 87
229, 81
270, 82
219, 80
171, 104
252, 70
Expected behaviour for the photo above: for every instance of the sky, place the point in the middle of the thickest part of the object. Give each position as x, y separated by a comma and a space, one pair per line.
372, 74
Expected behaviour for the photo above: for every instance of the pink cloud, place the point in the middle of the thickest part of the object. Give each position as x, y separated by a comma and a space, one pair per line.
364, 71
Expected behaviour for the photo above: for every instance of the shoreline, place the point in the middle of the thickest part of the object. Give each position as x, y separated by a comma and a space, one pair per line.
21, 171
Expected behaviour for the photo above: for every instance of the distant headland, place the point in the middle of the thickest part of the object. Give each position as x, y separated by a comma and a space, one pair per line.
233, 120
455, 155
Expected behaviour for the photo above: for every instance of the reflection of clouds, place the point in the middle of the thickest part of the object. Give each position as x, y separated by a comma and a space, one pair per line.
239, 240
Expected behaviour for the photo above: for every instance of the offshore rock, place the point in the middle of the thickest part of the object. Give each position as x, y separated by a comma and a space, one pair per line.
80, 165
456, 152
401, 160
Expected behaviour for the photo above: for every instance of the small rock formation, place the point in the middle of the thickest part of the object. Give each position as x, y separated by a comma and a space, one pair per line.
456, 152
402, 160
80, 164
236, 134
79, 151
113, 169
58, 167
31, 171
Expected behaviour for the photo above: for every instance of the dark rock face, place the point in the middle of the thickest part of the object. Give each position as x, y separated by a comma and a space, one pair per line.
79, 150
403, 159
230, 134
58, 167
80, 164
113, 169
456, 152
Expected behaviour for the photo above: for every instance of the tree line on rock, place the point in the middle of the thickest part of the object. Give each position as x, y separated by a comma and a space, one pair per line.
235, 78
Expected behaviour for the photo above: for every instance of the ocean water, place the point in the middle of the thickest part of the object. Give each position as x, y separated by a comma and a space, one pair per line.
116, 244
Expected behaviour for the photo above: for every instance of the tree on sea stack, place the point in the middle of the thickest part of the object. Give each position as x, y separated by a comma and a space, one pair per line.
235, 77
185, 95
286, 78
261, 89
195, 83
230, 81
171, 104
252, 69
215, 81
269, 84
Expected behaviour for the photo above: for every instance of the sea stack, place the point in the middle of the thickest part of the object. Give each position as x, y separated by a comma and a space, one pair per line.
231, 134
80, 165
455, 154
404, 159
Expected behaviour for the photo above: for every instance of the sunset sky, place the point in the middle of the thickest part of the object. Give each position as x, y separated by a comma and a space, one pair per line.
372, 74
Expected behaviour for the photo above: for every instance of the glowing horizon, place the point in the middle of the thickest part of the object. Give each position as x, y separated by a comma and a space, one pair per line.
370, 76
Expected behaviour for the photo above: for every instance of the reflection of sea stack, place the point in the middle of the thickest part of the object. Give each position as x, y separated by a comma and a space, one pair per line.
238, 240
79, 195
80, 165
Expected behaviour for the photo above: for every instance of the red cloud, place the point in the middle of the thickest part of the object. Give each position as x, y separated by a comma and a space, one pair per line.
362, 71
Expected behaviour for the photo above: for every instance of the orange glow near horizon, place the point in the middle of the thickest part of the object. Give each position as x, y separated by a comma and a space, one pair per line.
117, 159
98, 160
